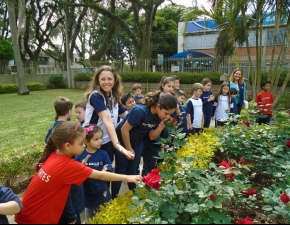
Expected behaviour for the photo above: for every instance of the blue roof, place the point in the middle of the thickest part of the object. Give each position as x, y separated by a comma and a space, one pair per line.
194, 54
211, 24
193, 26
208, 23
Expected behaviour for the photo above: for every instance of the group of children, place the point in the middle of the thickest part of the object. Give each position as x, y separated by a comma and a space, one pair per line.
76, 166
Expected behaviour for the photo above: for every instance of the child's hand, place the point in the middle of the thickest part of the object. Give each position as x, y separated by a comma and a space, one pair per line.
105, 168
84, 161
133, 178
211, 98
129, 154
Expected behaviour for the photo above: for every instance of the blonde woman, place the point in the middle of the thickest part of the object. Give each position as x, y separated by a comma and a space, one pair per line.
237, 81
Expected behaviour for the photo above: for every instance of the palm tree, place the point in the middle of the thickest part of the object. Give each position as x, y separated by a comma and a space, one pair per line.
11, 5
227, 14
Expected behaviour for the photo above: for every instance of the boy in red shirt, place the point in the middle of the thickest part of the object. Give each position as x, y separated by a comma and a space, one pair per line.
264, 101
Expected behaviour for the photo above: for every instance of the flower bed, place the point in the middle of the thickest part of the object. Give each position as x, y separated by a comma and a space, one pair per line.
233, 174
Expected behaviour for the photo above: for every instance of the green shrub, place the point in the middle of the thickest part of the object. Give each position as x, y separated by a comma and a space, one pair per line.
186, 78
56, 81
144, 77
18, 161
34, 86
284, 102
83, 77
8, 88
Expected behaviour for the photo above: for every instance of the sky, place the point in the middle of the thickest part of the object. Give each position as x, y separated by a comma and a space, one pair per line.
189, 2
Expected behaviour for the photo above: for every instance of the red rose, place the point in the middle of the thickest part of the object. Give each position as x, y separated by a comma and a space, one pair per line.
174, 121
230, 176
249, 192
152, 180
288, 144
285, 198
213, 197
246, 123
247, 220
224, 164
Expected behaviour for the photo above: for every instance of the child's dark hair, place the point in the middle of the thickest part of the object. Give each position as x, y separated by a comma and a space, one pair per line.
233, 91
165, 80
205, 81
91, 130
62, 105
137, 86
178, 93
263, 83
125, 98
65, 132
81, 104
166, 101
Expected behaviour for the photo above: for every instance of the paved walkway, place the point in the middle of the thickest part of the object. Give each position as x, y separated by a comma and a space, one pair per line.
124, 189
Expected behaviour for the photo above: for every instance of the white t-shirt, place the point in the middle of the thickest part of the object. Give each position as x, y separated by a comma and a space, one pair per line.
221, 106
96, 104
194, 108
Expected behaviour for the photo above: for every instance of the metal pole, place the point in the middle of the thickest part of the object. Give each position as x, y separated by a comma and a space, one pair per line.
67, 53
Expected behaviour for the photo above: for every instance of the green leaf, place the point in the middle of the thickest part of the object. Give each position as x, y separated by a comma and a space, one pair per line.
135, 200
179, 192
173, 215
272, 216
267, 208
132, 218
191, 208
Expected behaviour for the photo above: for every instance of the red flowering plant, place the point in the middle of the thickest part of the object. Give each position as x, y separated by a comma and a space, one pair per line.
249, 192
284, 198
247, 123
277, 203
247, 220
229, 169
152, 179
288, 144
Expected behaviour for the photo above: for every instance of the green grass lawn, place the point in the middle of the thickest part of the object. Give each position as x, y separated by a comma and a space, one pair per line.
27, 118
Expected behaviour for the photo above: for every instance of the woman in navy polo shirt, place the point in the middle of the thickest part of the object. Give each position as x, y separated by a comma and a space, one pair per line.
146, 118
104, 108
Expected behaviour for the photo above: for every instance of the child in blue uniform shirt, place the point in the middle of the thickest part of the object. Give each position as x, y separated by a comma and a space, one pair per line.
142, 119
234, 94
96, 191
180, 95
207, 101
10, 204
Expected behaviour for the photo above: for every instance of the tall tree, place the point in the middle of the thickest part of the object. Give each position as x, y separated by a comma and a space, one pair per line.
143, 16
11, 5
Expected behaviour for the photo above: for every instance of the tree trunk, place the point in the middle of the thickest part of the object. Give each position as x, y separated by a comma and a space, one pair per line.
271, 78
22, 88
281, 91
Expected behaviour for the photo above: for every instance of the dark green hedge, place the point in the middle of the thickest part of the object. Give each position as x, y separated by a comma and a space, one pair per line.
13, 88
143, 77
34, 86
8, 88
56, 81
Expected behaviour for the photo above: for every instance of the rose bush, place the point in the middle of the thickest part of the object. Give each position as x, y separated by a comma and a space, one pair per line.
224, 175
